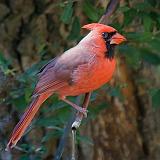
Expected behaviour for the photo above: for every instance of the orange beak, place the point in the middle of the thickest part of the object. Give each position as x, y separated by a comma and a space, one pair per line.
117, 39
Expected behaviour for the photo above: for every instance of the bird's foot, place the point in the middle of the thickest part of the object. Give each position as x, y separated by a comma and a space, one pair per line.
75, 106
84, 111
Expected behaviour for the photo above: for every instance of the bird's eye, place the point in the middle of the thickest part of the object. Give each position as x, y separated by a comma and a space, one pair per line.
105, 35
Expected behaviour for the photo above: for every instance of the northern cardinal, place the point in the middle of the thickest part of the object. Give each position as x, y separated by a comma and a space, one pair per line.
81, 69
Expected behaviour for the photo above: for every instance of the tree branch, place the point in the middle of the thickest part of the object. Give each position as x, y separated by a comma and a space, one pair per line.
111, 7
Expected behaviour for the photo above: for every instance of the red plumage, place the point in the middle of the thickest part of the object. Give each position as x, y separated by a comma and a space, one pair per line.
81, 69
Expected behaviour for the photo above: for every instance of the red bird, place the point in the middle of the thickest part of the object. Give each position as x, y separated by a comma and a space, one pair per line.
81, 69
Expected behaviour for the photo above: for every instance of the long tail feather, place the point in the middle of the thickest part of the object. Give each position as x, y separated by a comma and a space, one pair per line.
26, 119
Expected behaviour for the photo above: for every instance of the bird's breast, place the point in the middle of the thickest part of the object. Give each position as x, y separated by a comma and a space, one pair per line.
88, 78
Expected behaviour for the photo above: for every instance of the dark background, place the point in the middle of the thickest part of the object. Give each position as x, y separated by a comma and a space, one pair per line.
124, 115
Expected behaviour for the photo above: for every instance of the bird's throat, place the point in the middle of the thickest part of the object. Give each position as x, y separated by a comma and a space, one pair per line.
109, 51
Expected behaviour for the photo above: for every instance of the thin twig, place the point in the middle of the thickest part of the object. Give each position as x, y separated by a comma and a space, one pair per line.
111, 7
73, 144
66, 132
77, 123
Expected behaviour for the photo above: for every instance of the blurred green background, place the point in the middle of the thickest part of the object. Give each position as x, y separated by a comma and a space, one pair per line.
124, 115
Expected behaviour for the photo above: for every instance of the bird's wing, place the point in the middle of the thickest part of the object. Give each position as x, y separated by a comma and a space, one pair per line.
57, 73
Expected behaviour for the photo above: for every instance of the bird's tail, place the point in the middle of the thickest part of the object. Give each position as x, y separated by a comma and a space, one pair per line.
26, 119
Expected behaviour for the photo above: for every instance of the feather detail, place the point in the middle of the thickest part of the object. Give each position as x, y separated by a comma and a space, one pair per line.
52, 87
26, 119
47, 66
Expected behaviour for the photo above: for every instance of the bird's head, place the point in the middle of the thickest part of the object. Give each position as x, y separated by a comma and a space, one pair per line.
109, 35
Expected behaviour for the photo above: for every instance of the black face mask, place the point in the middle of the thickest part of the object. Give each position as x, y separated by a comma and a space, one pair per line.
110, 47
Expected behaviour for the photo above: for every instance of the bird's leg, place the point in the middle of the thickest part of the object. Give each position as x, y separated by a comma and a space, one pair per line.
78, 108
79, 115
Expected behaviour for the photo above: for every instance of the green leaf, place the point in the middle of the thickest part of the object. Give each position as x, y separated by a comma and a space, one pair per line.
20, 103
150, 57
132, 55
93, 96
3, 60
24, 157
48, 121
115, 92
155, 94
118, 26
52, 134
123, 9
144, 6
135, 54
4, 64
152, 2
75, 31
147, 22
42, 50
96, 110
90, 11
28, 92
32, 71
67, 13
139, 36
158, 19
85, 139
155, 44
129, 16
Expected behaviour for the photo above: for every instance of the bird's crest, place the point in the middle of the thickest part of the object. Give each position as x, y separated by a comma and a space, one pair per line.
99, 27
